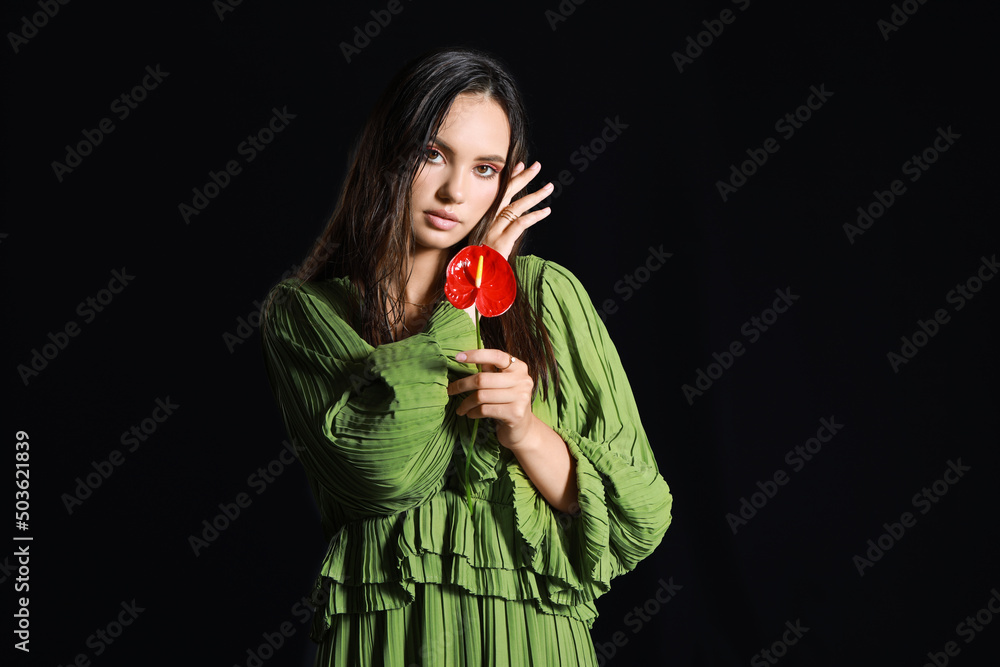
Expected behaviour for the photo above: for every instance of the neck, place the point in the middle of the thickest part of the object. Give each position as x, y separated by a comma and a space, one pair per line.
426, 267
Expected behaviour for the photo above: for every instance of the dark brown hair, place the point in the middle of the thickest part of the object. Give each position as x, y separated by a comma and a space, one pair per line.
369, 231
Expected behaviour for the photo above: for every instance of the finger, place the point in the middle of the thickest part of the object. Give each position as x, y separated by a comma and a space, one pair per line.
528, 219
486, 397
504, 225
502, 412
480, 381
527, 201
506, 236
518, 181
514, 184
521, 180
485, 412
498, 358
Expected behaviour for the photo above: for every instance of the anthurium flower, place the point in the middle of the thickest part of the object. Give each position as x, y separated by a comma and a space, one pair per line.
479, 275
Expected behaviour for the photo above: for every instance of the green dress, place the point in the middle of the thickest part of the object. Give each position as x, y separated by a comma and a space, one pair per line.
411, 577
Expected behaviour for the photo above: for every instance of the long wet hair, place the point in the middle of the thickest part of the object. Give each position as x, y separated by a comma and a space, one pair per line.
369, 236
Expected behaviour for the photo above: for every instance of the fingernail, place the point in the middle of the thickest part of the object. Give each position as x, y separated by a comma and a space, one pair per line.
537, 165
460, 356
548, 186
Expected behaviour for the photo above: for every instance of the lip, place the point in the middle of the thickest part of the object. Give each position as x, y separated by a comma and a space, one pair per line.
442, 219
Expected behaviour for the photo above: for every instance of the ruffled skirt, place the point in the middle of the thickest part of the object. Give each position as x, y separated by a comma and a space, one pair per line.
446, 626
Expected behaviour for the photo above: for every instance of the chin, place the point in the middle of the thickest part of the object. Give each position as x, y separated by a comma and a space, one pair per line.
440, 240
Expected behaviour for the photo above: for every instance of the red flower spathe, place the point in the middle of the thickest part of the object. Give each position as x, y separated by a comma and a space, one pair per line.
497, 288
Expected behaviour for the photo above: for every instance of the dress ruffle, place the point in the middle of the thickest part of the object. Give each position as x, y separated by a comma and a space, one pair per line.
503, 550
375, 564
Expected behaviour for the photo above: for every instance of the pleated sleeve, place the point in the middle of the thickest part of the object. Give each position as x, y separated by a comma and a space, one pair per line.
370, 424
625, 504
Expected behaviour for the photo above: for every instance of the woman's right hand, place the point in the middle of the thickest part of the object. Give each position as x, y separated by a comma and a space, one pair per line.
505, 232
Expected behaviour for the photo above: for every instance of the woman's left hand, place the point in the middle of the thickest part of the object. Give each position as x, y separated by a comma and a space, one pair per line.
504, 395
505, 230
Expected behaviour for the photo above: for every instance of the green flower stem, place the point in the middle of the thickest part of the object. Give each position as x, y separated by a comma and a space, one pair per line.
475, 427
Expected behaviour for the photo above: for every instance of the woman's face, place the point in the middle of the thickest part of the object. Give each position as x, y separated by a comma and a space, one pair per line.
461, 172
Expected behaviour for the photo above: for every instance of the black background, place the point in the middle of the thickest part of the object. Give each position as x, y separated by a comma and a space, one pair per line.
655, 185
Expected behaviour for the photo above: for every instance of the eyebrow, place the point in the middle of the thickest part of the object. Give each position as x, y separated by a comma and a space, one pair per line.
483, 158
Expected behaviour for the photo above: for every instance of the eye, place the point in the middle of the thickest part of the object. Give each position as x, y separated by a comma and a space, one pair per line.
490, 171
434, 156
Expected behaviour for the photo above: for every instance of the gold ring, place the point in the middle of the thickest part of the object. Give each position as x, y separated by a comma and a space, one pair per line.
509, 363
508, 214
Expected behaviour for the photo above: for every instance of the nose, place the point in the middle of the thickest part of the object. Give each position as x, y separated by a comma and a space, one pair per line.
453, 187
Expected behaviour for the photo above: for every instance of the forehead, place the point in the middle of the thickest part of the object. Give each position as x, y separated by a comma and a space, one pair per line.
476, 124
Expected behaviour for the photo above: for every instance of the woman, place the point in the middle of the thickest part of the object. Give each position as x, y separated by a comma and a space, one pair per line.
373, 372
